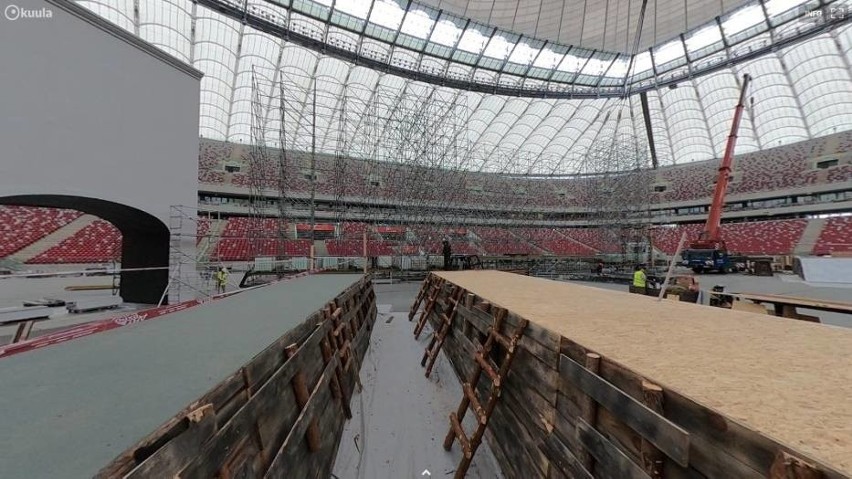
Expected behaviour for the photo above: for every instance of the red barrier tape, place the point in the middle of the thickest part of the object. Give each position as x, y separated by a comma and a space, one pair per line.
87, 329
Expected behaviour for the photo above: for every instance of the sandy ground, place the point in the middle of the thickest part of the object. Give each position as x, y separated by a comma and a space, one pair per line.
400, 418
788, 379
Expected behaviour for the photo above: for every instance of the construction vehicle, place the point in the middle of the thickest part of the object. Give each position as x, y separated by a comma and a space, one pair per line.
708, 253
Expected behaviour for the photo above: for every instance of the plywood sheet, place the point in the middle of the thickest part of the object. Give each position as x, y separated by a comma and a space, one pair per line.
788, 379
69, 409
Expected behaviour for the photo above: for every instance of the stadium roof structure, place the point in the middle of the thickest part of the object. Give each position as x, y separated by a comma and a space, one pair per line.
539, 80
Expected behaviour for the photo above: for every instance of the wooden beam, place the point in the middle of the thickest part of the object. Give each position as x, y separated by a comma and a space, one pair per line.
562, 458
668, 437
287, 453
589, 409
652, 458
787, 466
300, 390
169, 459
615, 463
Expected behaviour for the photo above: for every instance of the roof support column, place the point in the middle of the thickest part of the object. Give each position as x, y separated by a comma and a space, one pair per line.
646, 114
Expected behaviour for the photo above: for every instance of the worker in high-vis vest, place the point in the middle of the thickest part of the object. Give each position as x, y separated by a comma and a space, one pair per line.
640, 280
221, 280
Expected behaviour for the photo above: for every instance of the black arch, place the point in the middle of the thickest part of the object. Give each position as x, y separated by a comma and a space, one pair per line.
145, 241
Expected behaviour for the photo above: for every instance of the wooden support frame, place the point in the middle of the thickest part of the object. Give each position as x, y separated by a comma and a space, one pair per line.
288, 402
536, 421
659, 431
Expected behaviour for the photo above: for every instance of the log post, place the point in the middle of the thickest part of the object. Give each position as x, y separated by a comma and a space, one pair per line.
787, 466
589, 410
300, 389
652, 458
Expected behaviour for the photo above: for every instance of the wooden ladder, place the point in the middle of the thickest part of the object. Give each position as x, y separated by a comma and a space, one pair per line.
483, 413
447, 317
431, 296
423, 293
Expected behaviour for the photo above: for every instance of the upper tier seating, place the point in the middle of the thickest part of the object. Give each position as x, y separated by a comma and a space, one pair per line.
836, 236
99, 242
21, 226
787, 166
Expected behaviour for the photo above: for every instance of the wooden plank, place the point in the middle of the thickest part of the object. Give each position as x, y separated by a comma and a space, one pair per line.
143, 449
609, 459
670, 438
300, 390
613, 428
169, 459
507, 466
286, 458
563, 458
268, 398
521, 447
528, 372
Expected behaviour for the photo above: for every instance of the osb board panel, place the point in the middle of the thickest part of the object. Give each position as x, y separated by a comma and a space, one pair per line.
787, 379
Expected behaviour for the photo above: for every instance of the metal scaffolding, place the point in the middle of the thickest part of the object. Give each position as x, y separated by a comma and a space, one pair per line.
328, 159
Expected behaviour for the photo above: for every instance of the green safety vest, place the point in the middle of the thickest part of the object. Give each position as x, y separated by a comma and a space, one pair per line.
639, 279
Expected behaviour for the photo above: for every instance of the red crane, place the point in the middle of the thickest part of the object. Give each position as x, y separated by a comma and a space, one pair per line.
708, 251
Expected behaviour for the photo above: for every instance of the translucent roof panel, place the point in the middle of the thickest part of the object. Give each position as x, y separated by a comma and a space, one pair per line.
799, 91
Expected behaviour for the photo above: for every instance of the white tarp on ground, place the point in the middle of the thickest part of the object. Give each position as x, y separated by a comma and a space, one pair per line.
399, 418
825, 269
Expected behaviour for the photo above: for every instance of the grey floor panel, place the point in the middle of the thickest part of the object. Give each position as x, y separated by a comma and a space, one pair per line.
68, 409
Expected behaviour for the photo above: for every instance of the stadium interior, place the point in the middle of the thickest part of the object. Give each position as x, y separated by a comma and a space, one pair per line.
202, 160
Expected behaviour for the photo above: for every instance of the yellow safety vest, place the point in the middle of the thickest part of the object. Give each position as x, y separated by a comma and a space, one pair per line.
221, 277
639, 279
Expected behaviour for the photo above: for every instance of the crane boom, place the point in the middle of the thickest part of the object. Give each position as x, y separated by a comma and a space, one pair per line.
711, 228
708, 252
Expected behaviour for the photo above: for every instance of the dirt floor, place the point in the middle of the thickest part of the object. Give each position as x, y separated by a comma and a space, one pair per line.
788, 379
400, 418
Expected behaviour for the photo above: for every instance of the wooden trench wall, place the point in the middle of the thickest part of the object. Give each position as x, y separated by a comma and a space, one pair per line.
568, 412
280, 415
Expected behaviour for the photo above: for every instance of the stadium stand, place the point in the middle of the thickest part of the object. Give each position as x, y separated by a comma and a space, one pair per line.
763, 237
836, 236
356, 248
237, 243
788, 166
666, 238
99, 242
593, 238
21, 226
551, 241
202, 228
